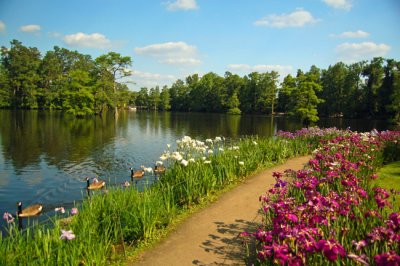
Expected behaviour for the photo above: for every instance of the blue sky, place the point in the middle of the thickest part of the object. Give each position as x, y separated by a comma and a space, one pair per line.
172, 39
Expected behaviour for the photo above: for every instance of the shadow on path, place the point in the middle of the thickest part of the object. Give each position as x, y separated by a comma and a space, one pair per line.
227, 244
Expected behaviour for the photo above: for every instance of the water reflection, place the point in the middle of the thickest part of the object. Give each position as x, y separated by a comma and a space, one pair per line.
45, 156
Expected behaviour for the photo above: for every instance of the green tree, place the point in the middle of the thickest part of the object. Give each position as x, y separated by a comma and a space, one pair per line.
21, 64
285, 101
154, 98
142, 99
78, 99
5, 95
393, 107
334, 91
117, 68
306, 100
374, 74
165, 99
179, 94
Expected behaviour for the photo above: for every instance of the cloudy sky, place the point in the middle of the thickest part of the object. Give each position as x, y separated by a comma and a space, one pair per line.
172, 39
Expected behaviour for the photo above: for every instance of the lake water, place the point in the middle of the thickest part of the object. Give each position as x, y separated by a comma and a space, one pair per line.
45, 156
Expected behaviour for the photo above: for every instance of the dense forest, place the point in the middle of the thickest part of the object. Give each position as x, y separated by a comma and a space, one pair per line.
76, 83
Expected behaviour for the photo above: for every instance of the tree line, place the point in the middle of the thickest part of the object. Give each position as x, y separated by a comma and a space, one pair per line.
70, 81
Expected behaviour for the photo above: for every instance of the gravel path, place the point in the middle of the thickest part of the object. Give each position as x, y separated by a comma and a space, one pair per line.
210, 236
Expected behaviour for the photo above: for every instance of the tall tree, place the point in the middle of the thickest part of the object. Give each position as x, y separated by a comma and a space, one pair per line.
307, 101
154, 98
334, 91
374, 73
117, 66
142, 99
21, 64
285, 100
165, 99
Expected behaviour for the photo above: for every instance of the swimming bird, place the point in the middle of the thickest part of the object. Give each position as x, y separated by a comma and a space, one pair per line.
136, 174
159, 169
96, 184
29, 211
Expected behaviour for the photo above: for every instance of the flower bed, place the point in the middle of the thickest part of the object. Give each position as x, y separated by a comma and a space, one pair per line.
329, 213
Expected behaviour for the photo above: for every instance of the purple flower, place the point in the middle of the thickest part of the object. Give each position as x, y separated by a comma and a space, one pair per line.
360, 244
67, 235
74, 211
292, 217
387, 259
395, 218
8, 217
331, 249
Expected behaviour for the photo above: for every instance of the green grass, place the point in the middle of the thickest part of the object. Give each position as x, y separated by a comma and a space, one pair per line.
389, 176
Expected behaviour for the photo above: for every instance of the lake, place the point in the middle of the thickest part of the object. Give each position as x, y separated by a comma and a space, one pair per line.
45, 156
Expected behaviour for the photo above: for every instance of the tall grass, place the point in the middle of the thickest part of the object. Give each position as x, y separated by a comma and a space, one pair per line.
109, 222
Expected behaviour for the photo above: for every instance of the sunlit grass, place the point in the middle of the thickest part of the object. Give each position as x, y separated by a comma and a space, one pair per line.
389, 176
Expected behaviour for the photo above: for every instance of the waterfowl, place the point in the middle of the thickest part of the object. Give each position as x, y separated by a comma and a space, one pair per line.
159, 169
136, 174
29, 211
96, 184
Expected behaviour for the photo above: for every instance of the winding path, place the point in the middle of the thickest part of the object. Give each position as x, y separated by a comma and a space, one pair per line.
210, 236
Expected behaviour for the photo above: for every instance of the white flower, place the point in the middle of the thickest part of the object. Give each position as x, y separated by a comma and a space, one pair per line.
241, 163
191, 160
203, 158
255, 143
164, 157
221, 149
184, 162
218, 139
209, 140
169, 146
159, 163
235, 148
176, 156
207, 162
210, 152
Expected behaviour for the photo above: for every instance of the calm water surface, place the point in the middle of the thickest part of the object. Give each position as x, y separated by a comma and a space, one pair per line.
45, 156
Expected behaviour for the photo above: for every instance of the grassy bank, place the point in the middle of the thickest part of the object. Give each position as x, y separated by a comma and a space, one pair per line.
108, 223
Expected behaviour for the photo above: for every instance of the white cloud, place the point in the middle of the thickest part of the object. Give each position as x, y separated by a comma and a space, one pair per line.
182, 5
353, 52
282, 70
172, 53
2, 26
339, 4
181, 61
352, 34
147, 79
95, 40
297, 18
30, 28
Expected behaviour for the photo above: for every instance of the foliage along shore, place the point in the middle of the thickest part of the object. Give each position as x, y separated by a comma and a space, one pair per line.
196, 171
331, 212
76, 83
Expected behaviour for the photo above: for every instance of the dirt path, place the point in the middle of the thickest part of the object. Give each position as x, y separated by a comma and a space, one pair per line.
210, 236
